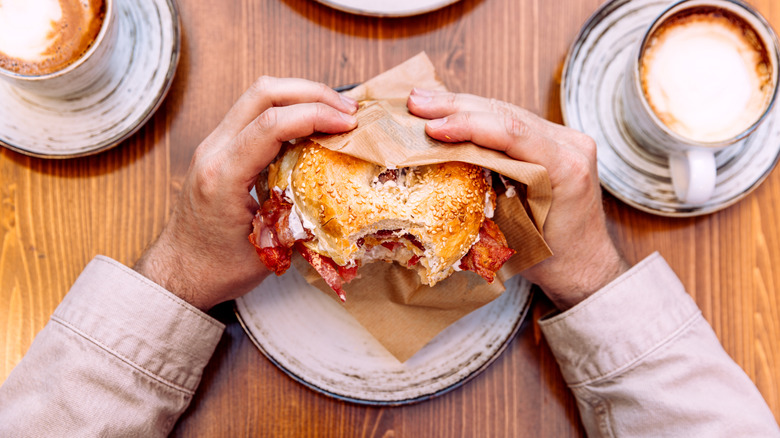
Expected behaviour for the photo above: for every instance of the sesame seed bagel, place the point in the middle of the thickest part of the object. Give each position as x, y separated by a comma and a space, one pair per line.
352, 207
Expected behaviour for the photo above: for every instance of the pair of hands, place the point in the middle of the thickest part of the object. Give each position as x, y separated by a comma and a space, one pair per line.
203, 254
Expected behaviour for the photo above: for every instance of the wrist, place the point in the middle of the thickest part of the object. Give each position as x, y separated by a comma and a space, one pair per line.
575, 281
598, 278
161, 264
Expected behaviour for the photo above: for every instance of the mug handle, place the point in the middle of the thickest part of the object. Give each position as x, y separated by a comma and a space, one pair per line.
693, 175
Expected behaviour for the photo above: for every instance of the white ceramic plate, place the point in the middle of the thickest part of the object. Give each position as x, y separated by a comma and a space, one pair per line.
387, 8
316, 341
145, 66
591, 99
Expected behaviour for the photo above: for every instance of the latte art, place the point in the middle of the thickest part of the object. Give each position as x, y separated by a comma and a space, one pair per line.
39, 37
706, 75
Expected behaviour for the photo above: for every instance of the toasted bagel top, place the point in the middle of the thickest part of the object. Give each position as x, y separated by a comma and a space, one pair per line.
342, 199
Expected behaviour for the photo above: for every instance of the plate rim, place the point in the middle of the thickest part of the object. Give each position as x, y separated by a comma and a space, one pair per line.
175, 56
512, 334
432, 6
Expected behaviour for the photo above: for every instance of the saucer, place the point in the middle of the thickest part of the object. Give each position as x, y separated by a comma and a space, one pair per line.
591, 100
315, 341
61, 128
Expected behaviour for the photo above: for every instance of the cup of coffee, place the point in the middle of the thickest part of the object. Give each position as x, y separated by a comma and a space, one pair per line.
56, 48
703, 79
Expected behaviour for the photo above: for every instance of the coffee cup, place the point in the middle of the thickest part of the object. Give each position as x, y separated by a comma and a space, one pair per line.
703, 78
56, 48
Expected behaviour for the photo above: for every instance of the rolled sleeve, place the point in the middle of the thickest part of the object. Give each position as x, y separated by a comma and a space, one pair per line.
121, 356
140, 323
621, 323
642, 361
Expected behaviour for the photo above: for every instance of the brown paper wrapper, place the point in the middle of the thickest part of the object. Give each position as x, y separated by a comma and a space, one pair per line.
387, 299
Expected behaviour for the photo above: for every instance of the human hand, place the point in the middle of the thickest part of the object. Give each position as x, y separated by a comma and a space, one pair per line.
584, 257
203, 254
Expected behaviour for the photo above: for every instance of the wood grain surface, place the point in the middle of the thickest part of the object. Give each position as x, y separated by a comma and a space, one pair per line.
56, 215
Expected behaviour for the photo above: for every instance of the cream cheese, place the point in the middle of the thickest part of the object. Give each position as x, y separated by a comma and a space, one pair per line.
296, 224
489, 210
456, 265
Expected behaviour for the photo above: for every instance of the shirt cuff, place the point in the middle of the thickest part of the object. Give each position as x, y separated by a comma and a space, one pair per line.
139, 322
616, 327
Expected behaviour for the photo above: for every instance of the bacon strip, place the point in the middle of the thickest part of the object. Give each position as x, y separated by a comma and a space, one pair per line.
489, 253
388, 175
274, 243
332, 273
271, 236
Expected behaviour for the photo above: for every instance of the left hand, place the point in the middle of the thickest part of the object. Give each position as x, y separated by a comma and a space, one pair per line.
203, 254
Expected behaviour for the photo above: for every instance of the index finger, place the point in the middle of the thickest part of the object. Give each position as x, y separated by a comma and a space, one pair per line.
504, 133
257, 145
267, 92
437, 104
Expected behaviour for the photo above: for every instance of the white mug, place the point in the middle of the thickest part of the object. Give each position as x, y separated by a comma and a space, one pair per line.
83, 75
689, 135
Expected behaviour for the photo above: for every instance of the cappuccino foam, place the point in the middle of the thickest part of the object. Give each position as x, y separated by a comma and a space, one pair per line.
43, 36
706, 75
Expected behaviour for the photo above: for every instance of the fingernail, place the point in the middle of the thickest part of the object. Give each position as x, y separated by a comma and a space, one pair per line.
349, 101
422, 92
420, 100
348, 118
437, 123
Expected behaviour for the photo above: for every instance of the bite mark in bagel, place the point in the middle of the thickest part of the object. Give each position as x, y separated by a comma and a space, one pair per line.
340, 212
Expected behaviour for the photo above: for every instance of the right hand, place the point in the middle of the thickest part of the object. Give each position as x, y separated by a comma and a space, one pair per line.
584, 257
203, 254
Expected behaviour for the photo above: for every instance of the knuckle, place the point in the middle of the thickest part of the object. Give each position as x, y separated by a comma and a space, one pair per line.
466, 119
319, 114
320, 111
268, 120
200, 153
324, 89
452, 100
515, 127
587, 145
262, 84
499, 106
206, 177
494, 105
505, 108
580, 168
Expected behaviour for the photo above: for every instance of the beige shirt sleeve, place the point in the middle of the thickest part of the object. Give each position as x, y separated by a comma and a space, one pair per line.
120, 357
642, 361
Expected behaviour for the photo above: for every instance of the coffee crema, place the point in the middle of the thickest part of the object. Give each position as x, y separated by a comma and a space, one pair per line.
39, 37
706, 74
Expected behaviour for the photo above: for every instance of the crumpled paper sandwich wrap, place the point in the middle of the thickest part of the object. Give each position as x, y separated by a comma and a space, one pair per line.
387, 299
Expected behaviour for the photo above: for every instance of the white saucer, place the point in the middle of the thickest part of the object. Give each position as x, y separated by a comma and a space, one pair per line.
387, 8
591, 103
318, 343
58, 128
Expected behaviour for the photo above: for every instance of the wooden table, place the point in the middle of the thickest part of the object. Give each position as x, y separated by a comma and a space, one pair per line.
56, 215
